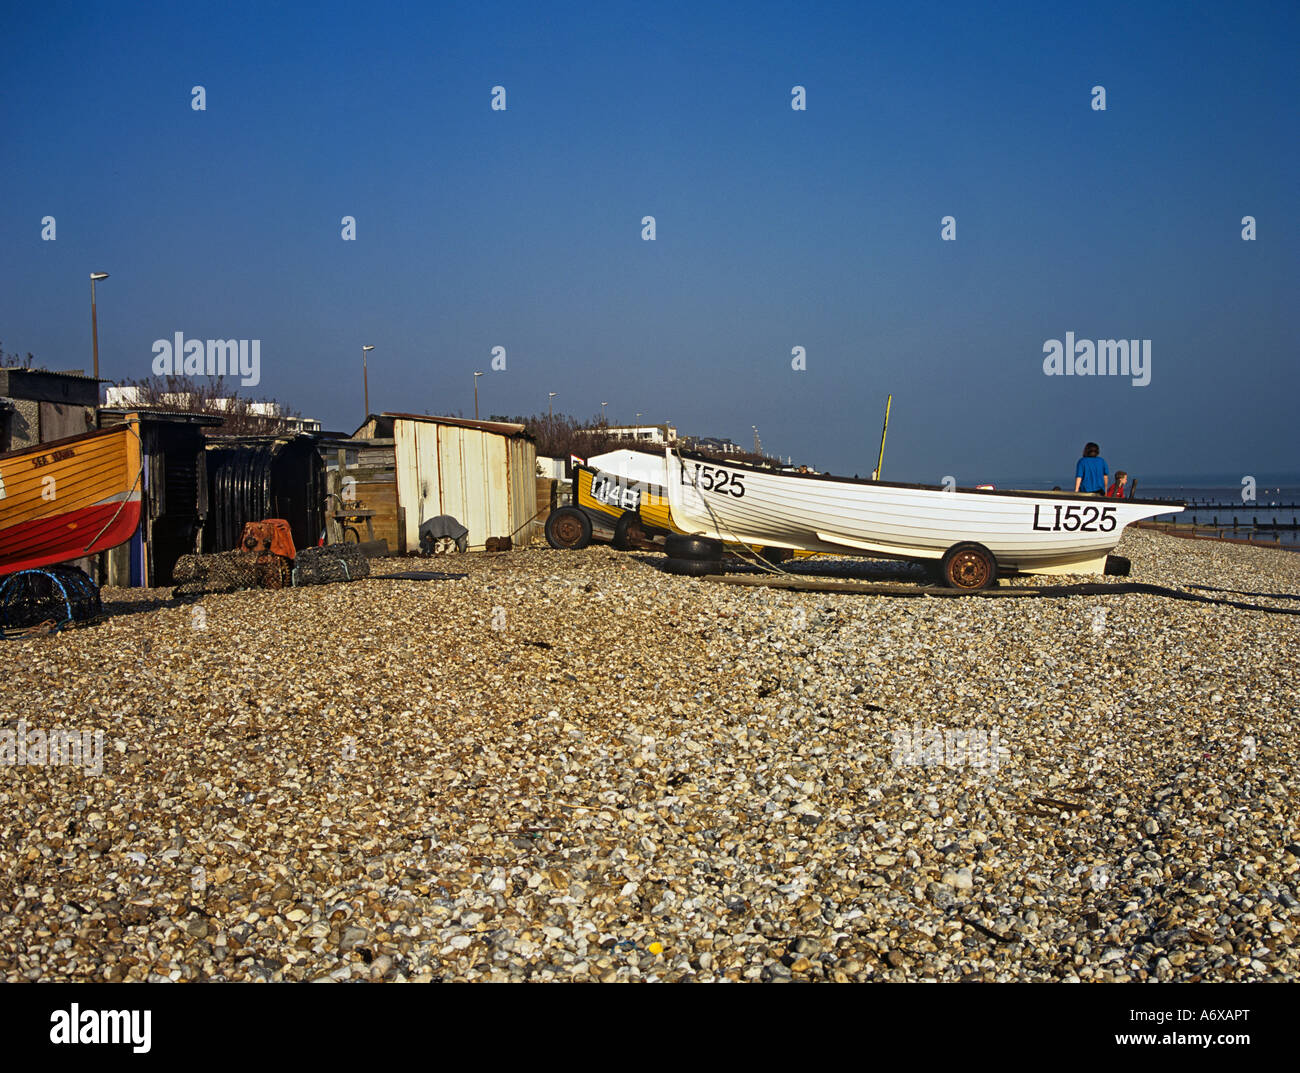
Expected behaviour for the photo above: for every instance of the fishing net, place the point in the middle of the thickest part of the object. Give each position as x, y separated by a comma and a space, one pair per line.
48, 598
229, 571
334, 562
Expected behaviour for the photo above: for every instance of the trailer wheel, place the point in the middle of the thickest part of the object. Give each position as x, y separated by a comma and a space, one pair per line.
776, 555
629, 532
703, 549
693, 567
1118, 566
969, 567
568, 528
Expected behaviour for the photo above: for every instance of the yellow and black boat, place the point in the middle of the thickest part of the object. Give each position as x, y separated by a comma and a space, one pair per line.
635, 514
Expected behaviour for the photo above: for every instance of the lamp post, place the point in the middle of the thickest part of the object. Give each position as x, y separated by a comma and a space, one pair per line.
602, 413
476, 376
95, 277
365, 376
550, 396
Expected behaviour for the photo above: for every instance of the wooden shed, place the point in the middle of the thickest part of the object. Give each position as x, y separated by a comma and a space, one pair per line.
362, 472
175, 495
482, 473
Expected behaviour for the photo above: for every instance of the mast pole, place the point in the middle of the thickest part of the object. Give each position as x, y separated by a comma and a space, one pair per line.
881, 461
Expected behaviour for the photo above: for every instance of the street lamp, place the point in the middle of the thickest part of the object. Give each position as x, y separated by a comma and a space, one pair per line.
550, 395
95, 277
365, 376
602, 413
476, 376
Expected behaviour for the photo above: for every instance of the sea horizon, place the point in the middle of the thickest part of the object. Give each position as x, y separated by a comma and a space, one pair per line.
1230, 485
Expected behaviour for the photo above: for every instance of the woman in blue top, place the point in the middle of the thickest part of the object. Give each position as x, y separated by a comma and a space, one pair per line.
1091, 475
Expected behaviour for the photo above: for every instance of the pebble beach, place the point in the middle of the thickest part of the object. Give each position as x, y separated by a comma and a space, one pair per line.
574, 766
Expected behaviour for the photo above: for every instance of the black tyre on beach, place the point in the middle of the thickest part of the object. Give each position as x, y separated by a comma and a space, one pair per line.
1118, 566
692, 547
568, 528
630, 532
969, 567
693, 567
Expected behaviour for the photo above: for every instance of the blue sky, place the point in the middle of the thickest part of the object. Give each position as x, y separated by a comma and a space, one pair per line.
775, 228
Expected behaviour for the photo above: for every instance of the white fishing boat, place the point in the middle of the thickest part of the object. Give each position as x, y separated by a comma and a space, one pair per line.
971, 535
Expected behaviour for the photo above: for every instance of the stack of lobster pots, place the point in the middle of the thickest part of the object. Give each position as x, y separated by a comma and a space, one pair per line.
264, 561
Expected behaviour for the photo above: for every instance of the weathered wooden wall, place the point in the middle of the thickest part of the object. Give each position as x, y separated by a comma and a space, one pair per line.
371, 477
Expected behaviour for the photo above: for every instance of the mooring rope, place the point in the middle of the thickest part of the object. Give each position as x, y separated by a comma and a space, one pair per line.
121, 506
759, 561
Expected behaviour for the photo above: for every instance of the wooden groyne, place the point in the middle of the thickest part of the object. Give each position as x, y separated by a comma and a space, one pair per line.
1193, 531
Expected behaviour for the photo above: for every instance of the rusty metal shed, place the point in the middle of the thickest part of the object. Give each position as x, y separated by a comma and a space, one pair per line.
480, 472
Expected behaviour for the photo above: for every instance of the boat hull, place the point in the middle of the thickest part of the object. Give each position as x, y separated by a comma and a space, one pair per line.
69, 498
1027, 532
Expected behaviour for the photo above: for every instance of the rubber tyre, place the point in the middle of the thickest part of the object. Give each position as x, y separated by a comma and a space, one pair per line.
568, 529
629, 532
1118, 566
351, 536
776, 555
969, 567
691, 547
693, 567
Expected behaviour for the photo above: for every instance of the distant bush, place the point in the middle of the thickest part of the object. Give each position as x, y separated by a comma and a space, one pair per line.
240, 416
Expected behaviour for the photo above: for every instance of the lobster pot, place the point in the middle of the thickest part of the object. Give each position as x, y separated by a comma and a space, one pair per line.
228, 571
334, 562
57, 594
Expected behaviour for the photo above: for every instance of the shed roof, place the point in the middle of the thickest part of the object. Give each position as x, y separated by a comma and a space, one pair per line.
172, 416
501, 428
69, 374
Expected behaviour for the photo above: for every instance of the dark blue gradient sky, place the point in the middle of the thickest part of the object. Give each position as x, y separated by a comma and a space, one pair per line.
775, 228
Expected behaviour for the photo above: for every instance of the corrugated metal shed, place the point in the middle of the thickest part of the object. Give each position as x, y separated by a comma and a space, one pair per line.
255, 477
480, 472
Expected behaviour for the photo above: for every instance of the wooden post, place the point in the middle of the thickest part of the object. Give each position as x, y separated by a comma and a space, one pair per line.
333, 530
